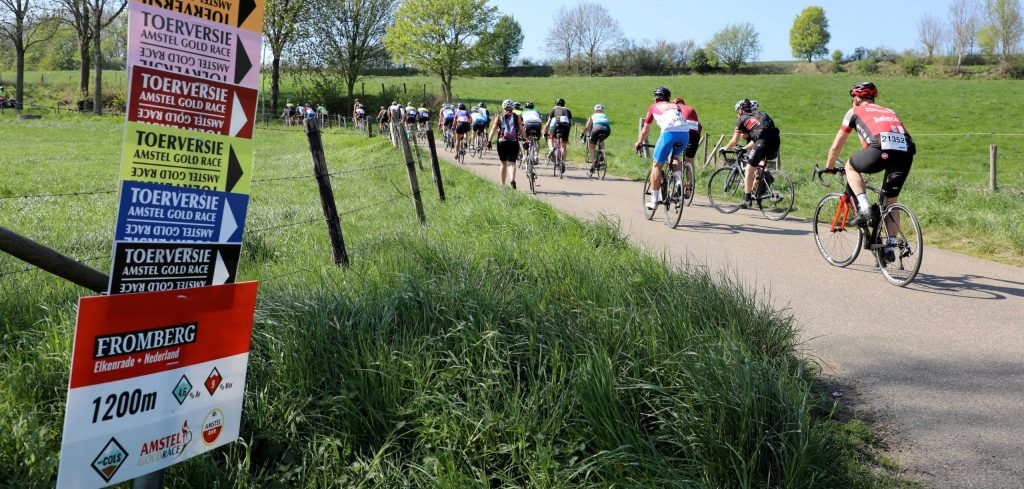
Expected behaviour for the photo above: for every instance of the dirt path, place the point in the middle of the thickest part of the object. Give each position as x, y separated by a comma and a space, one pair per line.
939, 363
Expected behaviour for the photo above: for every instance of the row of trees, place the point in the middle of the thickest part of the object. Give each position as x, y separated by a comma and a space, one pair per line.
994, 26
25, 24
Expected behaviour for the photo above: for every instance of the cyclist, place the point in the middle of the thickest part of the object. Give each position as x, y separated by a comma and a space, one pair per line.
885, 145
462, 125
560, 122
599, 128
479, 124
423, 116
383, 117
517, 109
759, 129
410, 116
3, 94
446, 118
532, 123
357, 109
509, 127
674, 130
691, 115
483, 110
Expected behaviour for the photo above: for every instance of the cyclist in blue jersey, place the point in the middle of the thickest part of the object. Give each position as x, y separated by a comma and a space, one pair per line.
599, 127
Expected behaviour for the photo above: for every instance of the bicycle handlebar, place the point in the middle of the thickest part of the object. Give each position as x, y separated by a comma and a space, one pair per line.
839, 169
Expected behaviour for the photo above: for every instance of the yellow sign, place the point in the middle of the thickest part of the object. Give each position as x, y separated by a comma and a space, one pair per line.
244, 14
167, 155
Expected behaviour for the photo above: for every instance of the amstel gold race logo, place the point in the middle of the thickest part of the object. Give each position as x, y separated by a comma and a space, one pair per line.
170, 446
213, 425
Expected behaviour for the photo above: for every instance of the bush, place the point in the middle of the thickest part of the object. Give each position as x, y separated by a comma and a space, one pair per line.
865, 67
1015, 70
912, 66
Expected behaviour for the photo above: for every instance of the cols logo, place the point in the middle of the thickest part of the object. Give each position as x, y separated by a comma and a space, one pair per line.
213, 426
111, 457
170, 446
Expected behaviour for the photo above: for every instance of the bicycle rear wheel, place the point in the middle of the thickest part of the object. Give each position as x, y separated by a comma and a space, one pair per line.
777, 198
690, 187
602, 165
838, 244
674, 202
901, 259
725, 189
648, 212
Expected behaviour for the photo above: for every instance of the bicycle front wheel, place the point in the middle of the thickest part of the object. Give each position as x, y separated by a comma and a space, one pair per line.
602, 166
777, 198
900, 259
725, 189
648, 212
838, 243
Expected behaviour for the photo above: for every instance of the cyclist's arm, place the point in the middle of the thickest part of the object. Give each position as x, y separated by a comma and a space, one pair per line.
643, 134
494, 129
732, 142
590, 124
837, 147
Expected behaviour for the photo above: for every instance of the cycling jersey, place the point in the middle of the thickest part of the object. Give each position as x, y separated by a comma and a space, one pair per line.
669, 117
487, 116
561, 116
462, 116
879, 128
752, 124
448, 115
599, 119
479, 118
508, 127
531, 117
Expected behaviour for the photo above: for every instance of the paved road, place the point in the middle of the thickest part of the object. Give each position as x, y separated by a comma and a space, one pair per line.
940, 364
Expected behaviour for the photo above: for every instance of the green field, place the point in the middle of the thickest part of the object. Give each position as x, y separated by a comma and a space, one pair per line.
478, 351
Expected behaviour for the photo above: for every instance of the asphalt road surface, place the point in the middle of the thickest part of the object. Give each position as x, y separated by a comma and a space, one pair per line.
939, 365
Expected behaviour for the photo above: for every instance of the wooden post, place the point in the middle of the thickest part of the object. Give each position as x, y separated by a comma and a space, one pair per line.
705, 144
382, 91
993, 153
413, 181
434, 164
51, 261
369, 127
416, 148
714, 152
405, 89
323, 181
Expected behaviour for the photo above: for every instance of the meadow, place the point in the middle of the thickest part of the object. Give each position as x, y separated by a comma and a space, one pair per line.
476, 351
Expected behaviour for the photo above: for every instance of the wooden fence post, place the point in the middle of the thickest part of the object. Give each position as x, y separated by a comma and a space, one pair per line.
714, 152
413, 181
993, 153
323, 181
49, 260
434, 165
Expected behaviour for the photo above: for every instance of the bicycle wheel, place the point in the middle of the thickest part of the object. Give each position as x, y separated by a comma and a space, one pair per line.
725, 189
531, 176
648, 212
602, 165
901, 260
689, 189
839, 243
776, 198
674, 203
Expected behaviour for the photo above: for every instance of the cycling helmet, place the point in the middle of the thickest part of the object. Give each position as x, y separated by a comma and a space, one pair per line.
662, 94
864, 90
507, 104
518, 105
560, 102
598, 108
744, 105
529, 105
462, 106
753, 105
483, 105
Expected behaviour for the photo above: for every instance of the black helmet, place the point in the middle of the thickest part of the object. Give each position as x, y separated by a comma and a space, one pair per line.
483, 105
462, 106
560, 102
743, 105
529, 105
864, 90
517, 105
662, 94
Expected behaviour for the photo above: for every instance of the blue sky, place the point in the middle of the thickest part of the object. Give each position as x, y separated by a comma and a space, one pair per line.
852, 23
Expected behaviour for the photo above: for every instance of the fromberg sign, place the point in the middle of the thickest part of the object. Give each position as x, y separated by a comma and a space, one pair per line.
153, 212
131, 407
180, 44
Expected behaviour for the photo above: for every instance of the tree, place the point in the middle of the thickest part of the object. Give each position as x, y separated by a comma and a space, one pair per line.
349, 38
439, 36
930, 33
735, 45
25, 24
564, 34
809, 35
79, 15
963, 20
1006, 26
987, 41
101, 10
701, 63
506, 41
281, 19
596, 29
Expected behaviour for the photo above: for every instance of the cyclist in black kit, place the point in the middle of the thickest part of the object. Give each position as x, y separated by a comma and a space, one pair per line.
759, 129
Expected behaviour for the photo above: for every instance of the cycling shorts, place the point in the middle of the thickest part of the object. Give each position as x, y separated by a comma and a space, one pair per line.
562, 132
448, 123
462, 128
479, 126
665, 147
691, 147
508, 151
532, 129
424, 118
895, 163
599, 133
765, 148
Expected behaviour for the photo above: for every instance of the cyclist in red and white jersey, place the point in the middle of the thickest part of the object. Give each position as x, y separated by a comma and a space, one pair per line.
675, 129
691, 115
759, 129
885, 145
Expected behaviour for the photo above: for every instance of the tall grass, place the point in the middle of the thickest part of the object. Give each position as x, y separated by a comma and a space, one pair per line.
502, 345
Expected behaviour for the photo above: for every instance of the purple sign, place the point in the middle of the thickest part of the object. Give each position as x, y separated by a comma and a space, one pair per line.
176, 43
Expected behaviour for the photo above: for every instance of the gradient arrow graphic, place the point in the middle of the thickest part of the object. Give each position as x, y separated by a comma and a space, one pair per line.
242, 62
228, 225
238, 118
234, 169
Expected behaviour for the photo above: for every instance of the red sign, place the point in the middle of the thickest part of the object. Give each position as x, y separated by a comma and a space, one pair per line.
175, 100
130, 335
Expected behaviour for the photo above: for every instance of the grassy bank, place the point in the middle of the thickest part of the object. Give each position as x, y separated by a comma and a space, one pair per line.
503, 345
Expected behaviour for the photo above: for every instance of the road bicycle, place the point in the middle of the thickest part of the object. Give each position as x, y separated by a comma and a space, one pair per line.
773, 192
557, 161
599, 168
689, 173
532, 159
673, 189
478, 145
449, 139
894, 238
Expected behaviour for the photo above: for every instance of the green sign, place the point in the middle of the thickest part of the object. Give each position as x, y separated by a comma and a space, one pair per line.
171, 156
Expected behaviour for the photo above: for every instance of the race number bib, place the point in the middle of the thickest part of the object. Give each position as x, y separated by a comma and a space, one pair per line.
893, 141
563, 119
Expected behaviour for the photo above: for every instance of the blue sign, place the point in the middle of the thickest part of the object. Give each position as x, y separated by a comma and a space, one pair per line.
156, 212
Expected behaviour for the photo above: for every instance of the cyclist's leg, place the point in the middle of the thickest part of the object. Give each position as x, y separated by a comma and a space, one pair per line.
896, 173
868, 160
661, 155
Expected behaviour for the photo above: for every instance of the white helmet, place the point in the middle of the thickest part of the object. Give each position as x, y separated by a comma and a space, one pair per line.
507, 104
753, 104
598, 108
